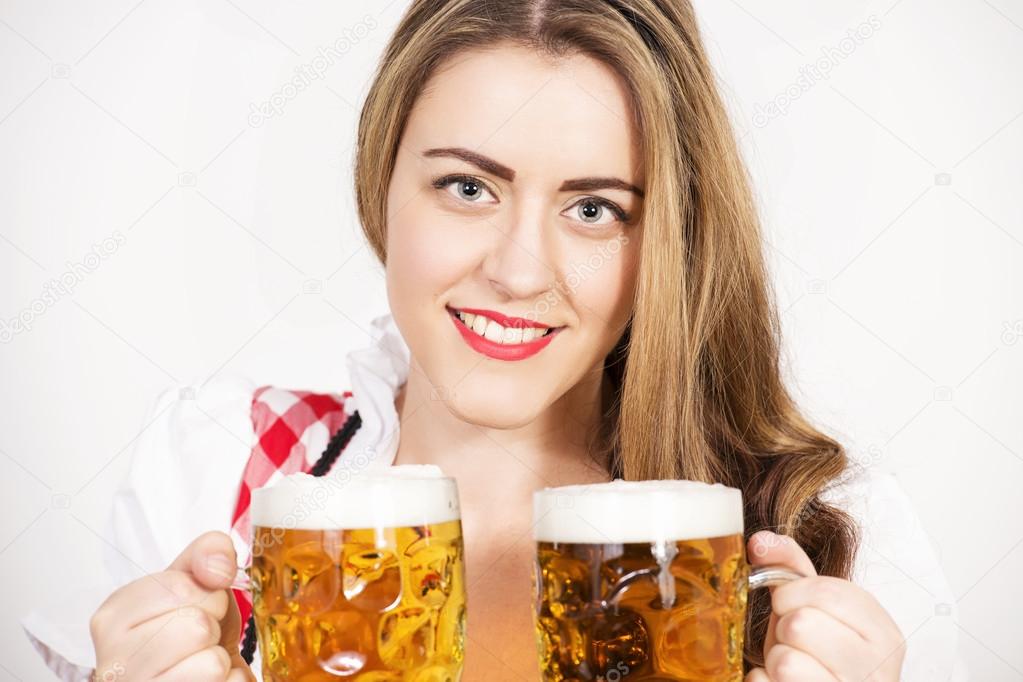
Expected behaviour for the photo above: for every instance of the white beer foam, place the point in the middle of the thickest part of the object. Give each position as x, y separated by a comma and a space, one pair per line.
403, 495
636, 511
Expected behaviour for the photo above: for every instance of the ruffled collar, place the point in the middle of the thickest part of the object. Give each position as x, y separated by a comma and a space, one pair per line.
376, 373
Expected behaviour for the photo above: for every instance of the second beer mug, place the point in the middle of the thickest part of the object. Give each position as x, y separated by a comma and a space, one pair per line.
642, 581
359, 581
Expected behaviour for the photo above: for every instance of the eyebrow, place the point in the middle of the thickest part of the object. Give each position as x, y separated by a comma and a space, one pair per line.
505, 173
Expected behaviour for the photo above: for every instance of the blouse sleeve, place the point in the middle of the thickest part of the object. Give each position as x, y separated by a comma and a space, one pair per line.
897, 563
182, 479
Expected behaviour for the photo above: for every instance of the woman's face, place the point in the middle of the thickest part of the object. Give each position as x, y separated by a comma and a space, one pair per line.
516, 194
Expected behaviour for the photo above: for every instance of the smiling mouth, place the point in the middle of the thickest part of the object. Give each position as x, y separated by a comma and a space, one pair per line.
507, 332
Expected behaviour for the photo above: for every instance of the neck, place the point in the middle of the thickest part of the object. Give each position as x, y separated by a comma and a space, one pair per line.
493, 463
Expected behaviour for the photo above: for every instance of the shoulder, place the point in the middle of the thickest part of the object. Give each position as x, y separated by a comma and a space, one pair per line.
199, 438
222, 419
899, 564
185, 464
190, 417
891, 534
194, 432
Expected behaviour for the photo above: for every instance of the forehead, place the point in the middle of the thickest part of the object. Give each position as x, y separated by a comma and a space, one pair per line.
568, 117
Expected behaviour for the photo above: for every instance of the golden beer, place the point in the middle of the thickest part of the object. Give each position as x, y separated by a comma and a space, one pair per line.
640, 581
602, 614
350, 594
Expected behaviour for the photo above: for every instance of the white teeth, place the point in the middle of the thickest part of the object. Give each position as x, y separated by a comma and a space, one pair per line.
493, 331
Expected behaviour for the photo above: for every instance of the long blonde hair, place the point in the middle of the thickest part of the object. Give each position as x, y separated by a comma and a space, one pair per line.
696, 384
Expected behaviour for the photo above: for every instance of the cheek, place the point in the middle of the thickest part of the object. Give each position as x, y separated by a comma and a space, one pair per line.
604, 283
427, 252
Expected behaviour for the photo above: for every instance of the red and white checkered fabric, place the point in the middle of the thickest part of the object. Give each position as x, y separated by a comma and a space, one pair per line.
292, 429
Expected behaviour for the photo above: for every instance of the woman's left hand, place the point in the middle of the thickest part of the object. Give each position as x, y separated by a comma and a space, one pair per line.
822, 628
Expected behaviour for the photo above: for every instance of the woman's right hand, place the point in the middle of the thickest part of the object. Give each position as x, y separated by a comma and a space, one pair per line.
179, 624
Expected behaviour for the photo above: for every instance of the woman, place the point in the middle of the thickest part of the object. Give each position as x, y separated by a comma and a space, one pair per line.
566, 165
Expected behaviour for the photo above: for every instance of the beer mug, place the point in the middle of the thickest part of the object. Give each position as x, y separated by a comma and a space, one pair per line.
362, 580
642, 581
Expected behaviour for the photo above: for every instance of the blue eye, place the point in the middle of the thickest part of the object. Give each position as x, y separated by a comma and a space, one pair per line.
589, 209
467, 188
592, 208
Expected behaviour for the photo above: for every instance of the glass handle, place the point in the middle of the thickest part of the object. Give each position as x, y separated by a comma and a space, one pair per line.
761, 576
765, 576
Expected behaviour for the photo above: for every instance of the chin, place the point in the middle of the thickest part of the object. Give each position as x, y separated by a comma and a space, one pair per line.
493, 411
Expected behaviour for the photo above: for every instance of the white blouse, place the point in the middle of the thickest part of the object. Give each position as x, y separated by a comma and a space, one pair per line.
162, 505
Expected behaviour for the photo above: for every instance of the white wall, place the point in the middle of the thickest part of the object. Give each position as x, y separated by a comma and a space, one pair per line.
889, 192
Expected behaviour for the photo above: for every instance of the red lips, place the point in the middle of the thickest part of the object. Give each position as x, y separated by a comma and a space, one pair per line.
501, 351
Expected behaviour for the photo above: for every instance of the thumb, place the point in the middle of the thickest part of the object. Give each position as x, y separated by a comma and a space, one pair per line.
213, 563
771, 549
757, 675
210, 559
766, 548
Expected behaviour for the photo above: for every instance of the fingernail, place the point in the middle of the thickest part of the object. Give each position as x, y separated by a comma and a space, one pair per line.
221, 565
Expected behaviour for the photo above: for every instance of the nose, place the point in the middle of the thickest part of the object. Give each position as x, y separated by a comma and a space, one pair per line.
520, 262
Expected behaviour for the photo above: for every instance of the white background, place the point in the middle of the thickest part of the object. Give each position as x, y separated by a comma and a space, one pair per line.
890, 195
